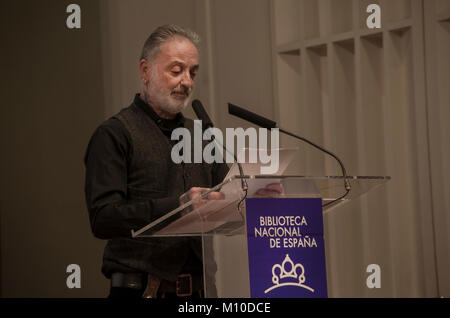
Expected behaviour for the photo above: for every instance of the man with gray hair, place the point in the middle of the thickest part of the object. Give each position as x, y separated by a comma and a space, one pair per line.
132, 181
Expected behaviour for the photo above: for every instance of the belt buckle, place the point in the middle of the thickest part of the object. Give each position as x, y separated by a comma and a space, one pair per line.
151, 289
184, 280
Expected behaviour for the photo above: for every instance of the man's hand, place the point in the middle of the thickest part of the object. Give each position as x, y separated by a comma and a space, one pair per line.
273, 190
196, 192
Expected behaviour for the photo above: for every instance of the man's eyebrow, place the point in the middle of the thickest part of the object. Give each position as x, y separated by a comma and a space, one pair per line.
179, 63
175, 63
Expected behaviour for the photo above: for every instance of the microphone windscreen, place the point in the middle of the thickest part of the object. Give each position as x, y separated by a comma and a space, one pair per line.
251, 117
202, 114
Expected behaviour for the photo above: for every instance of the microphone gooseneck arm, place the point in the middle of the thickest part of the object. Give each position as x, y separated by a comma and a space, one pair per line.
344, 172
269, 124
207, 123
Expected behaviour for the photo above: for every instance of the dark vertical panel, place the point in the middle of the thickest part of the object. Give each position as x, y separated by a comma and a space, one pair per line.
51, 102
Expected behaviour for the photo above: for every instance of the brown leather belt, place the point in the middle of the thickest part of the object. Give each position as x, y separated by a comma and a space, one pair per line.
185, 285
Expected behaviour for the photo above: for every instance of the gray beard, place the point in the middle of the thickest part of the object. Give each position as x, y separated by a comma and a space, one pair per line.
172, 108
165, 102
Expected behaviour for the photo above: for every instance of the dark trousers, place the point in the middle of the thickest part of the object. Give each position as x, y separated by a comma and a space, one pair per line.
125, 293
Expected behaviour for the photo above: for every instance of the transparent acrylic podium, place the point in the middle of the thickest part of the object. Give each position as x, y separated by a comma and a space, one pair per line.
221, 223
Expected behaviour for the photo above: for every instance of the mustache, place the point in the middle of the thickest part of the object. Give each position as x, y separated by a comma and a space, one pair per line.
182, 90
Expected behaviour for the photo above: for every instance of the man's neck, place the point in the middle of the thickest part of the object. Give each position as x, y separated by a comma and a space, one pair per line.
164, 115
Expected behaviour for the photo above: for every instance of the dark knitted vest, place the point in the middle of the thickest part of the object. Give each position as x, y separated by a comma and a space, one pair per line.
152, 175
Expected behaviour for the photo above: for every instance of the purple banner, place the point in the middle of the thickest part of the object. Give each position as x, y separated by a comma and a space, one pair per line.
286, 249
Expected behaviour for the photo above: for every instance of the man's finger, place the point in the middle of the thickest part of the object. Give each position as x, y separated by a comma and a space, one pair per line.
199, 203
216, 196
268, 193
196, 191
275, 187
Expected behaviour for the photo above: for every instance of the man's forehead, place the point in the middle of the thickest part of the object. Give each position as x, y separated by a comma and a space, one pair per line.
179, 50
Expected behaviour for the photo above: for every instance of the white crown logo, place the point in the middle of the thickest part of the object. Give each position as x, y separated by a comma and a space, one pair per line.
283, 273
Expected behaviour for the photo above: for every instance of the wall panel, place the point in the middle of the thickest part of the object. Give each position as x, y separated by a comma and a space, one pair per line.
372, 103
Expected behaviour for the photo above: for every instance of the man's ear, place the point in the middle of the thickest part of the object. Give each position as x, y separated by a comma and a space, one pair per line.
144, 70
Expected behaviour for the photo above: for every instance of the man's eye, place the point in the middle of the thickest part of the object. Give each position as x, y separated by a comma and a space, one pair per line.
176, 70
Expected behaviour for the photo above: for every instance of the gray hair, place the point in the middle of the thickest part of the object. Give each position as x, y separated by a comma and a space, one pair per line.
164, 33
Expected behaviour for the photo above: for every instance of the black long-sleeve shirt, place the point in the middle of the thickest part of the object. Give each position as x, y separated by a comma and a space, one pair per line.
108, 154
118, 202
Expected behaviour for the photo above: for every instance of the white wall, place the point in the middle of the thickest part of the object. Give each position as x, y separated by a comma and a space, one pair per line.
394, 225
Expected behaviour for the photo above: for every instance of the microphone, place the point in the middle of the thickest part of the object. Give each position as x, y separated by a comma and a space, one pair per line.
251, 117
202, 114
269, 124
207, 123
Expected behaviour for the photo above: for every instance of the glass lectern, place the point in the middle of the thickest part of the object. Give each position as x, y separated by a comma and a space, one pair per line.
221, 223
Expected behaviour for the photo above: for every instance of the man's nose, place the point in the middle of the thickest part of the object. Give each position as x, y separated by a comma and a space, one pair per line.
187, 80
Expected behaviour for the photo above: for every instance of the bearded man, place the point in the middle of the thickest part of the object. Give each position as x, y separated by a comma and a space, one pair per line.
132, 181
